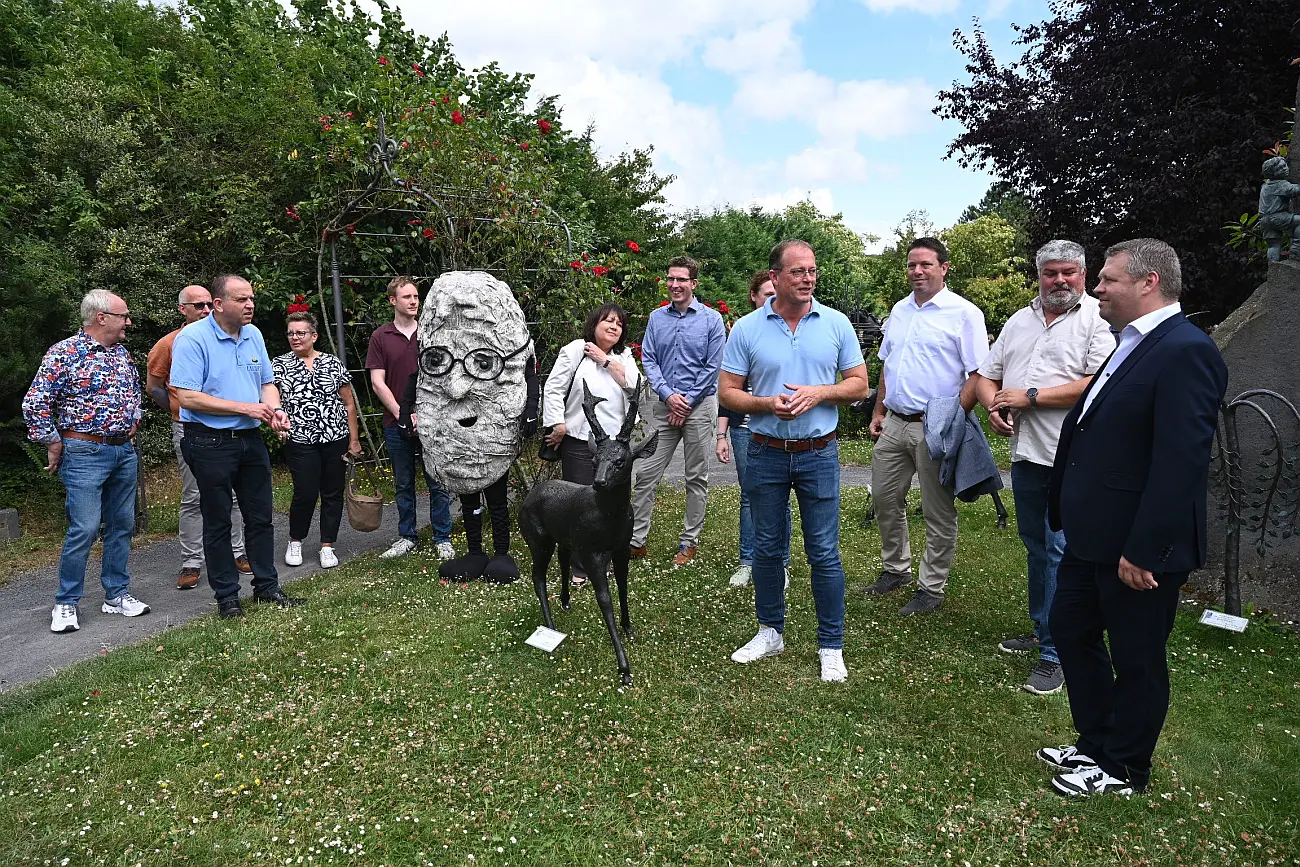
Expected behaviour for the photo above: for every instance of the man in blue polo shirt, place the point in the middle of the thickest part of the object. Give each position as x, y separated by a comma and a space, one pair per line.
223, 380
791, 350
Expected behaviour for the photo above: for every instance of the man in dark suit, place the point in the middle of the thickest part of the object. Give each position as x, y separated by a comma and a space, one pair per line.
1129, 490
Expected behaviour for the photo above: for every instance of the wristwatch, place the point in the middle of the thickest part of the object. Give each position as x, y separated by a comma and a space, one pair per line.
1032, 394
606, 364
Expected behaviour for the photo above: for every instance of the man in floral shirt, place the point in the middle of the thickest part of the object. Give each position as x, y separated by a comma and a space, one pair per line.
84, 405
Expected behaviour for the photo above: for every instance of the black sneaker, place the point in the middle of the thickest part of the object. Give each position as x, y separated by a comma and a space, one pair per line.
922, 603
1018, 645
278, 597
1065, 758
1046, 679
888, 582
1092, 781
229, 608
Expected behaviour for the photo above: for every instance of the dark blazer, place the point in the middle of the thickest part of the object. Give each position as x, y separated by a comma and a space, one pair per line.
1131, 479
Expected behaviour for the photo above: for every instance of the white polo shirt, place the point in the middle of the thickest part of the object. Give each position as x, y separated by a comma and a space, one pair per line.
1029, 353
929, 350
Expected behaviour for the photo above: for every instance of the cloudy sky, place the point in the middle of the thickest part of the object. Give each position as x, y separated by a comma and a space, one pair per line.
753, 101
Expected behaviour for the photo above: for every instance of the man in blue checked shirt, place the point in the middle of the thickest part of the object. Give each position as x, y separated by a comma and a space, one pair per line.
802, 361
682, 354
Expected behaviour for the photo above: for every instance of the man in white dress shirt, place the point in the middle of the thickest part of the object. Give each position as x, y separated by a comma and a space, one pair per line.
934, 339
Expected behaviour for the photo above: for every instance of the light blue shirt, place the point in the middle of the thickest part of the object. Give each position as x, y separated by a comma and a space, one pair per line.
207, 359
682, 352
764, 351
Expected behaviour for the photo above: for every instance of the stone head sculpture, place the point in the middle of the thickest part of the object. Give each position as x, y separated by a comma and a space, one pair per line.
471, 388
1276, 168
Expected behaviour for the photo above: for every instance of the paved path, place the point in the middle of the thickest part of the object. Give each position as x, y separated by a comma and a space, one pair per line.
31, 652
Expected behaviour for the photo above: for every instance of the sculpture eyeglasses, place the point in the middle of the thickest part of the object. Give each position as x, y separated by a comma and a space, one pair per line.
483, 364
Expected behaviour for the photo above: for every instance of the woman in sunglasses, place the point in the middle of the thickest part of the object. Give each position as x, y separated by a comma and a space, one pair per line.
317, 395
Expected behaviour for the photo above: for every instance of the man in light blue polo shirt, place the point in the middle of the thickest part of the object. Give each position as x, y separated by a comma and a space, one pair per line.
793, 351
226, 388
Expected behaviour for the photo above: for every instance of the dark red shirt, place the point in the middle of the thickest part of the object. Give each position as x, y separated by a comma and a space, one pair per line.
397, 356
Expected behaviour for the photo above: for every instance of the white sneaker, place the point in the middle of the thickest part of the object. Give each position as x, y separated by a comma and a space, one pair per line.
768, 642
293, 554
740, 578
833, 670
64, 619
400, 548
328, 559
126, 605
445, 551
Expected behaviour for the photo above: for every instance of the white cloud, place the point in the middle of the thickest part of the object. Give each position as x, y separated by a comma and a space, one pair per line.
821, 164
772, 44
877, 109
927, 7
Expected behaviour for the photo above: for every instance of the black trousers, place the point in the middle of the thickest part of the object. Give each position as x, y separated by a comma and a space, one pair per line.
318, 472
223, 463
1118, 698
498, 509
577, 463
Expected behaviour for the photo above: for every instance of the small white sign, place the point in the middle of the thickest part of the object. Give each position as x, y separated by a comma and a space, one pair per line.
1224, 621
545, 639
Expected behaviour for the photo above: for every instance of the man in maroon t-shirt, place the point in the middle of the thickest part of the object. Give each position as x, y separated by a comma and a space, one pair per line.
392, 359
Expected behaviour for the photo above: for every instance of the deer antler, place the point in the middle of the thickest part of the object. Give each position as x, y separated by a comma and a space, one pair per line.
633, 405
589, 402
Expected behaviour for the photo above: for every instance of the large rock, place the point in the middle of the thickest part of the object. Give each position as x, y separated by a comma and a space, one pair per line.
1260, 341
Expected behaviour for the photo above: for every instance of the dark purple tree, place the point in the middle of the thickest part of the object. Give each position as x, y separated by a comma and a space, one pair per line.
1136, 119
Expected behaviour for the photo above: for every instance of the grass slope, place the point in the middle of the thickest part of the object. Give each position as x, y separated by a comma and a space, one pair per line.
398, 720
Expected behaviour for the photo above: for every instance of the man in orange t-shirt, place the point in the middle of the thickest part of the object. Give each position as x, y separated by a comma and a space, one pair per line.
195, 303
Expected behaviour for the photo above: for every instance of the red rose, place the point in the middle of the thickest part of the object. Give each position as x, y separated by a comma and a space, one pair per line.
599, 270
428, 233
663, 303
414, 222
634, 246
350, 229
523, 145
292, 213
584, 257
383, 61
418, 70
576, 265
722, 306
457, 118
300, 298
544, 126
446, 98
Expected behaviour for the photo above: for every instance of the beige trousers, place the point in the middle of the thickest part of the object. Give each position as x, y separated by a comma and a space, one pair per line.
697, 438
900, 452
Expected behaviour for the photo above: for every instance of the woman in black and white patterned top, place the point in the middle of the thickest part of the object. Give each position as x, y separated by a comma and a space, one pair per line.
317, 395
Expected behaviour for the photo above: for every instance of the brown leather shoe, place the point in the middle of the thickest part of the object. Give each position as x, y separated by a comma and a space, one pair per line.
242, 564
637, 553
189, 578
684, 556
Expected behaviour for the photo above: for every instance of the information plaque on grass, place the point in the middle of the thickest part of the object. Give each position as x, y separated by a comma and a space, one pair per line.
545, 639
1224, 621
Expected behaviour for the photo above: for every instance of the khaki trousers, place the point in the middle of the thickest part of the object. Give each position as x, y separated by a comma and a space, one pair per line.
900, 452
191, 519
697, 438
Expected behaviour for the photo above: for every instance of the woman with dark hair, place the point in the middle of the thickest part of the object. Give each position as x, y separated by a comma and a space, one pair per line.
601, 361
317, 394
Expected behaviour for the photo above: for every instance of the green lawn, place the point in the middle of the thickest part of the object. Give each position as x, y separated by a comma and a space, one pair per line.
398, 720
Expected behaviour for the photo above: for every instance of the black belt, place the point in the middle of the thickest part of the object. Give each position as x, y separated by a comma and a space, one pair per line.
910, 417
194, 427
792, 445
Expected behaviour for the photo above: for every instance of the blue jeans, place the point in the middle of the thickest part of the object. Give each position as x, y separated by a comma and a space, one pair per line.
404, 457
740, 454
100, 482
1043, 545
814, 476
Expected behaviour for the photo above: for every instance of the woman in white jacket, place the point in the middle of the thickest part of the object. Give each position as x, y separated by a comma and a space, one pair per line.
601, 361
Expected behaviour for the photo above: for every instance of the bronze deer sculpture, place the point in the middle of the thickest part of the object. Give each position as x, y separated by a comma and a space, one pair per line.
592, 523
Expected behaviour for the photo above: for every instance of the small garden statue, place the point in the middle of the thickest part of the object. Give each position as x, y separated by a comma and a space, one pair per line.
1276, 220
475, 395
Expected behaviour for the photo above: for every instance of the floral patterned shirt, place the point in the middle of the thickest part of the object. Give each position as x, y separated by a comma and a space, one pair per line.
83, 386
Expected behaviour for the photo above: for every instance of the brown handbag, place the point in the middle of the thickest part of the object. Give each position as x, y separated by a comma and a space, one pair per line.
365, 513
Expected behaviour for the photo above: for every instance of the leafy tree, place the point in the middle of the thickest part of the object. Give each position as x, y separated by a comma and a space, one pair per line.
1135, 119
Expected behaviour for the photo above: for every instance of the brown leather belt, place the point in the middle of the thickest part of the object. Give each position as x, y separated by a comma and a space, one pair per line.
908, 417
792, 445
95, 438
